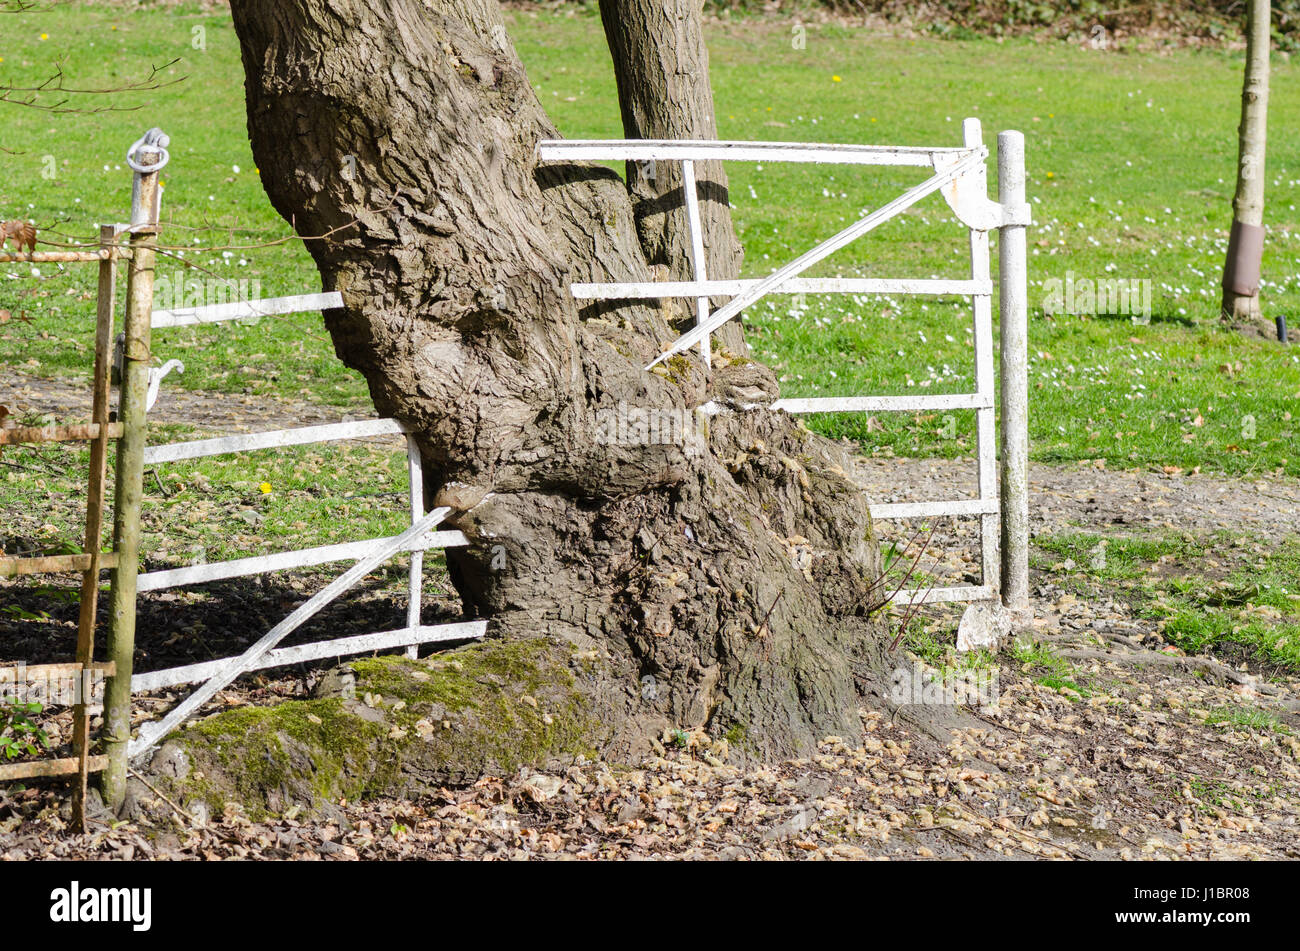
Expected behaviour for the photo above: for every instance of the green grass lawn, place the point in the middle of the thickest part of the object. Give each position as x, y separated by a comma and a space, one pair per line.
1130, 166
1228, 593
1130, 161
218, 508
213, 202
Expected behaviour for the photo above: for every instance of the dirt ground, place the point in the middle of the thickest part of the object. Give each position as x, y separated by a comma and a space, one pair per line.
69, 397
1132, 767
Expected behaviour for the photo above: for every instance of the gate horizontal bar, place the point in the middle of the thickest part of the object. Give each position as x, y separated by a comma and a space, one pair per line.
274, 439
238, 310
883, 404
927, 509
52, 564
73, 433
798, 285
8, 673
936, 595
704, 150
261, 564
342, 647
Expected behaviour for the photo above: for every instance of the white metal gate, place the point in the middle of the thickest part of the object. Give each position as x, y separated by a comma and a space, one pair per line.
959, 175
369, 553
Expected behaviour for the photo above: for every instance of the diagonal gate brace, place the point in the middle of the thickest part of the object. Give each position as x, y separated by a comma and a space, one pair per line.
152, 733
825, 249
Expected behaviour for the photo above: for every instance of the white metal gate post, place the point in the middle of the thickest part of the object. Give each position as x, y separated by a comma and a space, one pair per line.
1014, 319
696, 228
415, 469
985, 416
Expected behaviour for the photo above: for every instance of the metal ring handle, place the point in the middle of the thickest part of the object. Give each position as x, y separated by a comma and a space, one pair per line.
155, 140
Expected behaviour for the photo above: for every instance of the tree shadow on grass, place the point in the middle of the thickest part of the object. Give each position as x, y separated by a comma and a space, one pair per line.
1159, 317
196, 623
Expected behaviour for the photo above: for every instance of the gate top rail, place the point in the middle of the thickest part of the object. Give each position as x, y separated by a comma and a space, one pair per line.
62, 257
703, 150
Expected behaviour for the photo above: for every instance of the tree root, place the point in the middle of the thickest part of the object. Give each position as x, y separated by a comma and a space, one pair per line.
1211, 668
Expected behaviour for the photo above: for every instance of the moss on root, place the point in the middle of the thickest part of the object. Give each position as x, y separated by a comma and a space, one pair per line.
413, 725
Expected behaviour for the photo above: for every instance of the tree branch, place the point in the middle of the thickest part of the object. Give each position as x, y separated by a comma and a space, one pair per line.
29, 96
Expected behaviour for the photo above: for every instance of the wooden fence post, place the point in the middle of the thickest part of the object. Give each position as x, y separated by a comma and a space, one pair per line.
147, 157
94, 516
1014, 332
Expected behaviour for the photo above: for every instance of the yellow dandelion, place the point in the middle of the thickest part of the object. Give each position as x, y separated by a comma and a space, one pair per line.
266, 488
1051, 174
45, 36
836, 79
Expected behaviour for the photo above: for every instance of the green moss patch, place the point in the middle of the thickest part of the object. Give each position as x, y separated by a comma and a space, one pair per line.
413, 725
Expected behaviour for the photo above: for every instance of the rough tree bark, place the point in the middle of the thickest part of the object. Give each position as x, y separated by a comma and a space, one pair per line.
1246, 240
720, 574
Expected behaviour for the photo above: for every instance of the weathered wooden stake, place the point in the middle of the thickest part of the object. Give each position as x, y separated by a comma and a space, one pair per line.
150, 155
1014, 333
94, 518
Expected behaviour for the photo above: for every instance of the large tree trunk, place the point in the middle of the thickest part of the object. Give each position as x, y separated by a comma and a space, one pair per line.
1246, 241
723, 581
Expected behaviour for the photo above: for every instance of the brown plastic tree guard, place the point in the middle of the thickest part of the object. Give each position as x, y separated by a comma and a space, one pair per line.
1245, 251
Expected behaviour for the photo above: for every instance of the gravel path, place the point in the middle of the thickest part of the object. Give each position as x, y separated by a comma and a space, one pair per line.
1084, 495
68, 398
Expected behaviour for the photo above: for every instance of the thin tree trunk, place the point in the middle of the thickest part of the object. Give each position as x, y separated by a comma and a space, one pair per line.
708, 573
1246, 240
661, 65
